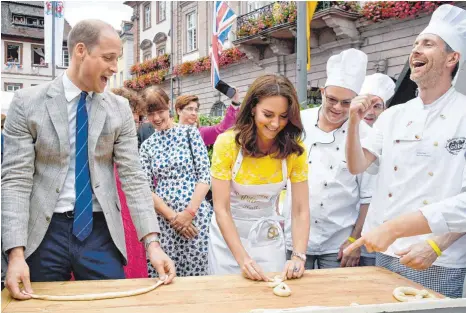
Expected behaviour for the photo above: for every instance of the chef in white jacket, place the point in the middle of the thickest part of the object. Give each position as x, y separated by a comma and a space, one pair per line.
380, 88
418, 150
333, 191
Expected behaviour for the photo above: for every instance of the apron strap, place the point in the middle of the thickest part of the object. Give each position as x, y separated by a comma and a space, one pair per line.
284, 171
237, 165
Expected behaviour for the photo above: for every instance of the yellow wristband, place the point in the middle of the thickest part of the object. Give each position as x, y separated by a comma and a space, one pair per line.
351, 239
434, 247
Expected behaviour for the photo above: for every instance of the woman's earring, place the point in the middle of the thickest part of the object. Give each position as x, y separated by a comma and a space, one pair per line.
252, 114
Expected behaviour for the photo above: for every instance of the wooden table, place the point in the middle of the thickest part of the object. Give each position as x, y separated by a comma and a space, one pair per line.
220, 294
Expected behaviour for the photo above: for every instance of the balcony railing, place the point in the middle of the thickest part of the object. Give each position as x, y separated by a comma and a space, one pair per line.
271, 15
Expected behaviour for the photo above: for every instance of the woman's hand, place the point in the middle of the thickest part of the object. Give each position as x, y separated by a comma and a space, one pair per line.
294, 268
252, 270
190, 232
182, 221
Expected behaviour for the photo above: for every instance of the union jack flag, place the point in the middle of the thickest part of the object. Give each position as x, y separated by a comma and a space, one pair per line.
222, 23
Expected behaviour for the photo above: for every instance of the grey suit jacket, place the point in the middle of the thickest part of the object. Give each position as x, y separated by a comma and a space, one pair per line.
37, 158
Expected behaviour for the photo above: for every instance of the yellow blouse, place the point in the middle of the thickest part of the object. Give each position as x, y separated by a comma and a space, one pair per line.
254, 171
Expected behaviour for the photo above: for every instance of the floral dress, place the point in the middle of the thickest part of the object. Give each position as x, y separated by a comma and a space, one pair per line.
177, 159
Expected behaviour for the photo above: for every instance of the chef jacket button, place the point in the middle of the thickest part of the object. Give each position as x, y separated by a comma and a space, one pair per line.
431, 174
338, 148
315, 125
395, 168
321, 204
47, 218
331, 167
57, 190
325, 183
436, 143
442, 116
314, 144
425, 202
315, 221
344, 131
397, 141
417, 137
390, 195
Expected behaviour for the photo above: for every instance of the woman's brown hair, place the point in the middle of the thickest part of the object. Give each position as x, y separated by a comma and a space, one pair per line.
156, 99
183, 100
135, 100
265, 86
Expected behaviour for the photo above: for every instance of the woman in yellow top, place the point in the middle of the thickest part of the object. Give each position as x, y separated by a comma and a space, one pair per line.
250, 166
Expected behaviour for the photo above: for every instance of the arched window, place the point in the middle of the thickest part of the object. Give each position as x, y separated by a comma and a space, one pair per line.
218, 109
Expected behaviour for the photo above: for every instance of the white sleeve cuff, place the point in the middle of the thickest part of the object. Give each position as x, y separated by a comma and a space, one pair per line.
435, 218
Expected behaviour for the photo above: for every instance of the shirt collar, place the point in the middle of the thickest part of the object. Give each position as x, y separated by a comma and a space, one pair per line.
71, 90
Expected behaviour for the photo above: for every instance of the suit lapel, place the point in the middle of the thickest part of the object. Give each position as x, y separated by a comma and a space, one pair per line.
97, 118
57, 108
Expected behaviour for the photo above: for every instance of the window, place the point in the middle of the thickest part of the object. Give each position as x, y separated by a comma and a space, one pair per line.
254, 5
14, 52
28, 21
218, 109
65, 58
161, 51
13, 86
38, 55
161, 11
146, 19
18, 19
121, 78
147, 55
191, 31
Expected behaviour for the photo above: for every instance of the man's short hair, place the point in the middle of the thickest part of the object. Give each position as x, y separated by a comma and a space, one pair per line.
86, 32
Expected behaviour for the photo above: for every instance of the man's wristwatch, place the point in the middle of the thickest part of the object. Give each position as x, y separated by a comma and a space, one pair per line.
151, 239
299, 255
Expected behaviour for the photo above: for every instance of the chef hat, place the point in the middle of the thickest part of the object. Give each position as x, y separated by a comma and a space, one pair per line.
347, 69
379, 85
449, 23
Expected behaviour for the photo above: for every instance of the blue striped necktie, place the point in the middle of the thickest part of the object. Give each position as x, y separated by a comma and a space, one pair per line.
82, 224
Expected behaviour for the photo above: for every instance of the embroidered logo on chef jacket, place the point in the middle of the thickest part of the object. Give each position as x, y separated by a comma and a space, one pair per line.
455, 145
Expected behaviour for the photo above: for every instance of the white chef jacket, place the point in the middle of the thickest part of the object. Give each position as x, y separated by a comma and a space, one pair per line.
333, 191
421, 165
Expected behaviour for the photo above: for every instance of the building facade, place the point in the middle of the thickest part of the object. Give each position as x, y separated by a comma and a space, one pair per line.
22, 46
152, 24
387, 43
126, 58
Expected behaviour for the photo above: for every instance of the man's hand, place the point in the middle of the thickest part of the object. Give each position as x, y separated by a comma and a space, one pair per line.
182, 221
359, 107
420, 256
161, 262
18, 272
350, 259
377, 240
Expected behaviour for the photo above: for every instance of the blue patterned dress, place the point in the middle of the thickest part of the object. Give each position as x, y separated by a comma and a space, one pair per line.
177, 159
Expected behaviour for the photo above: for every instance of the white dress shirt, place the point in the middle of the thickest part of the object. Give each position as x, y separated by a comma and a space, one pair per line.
67, 197
333, 191
420, 152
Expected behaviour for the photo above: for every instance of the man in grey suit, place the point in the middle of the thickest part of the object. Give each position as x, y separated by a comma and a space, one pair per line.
60, 208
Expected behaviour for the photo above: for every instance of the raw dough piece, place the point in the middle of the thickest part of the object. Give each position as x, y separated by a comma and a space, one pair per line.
401, 294
277, 280
282, 290
97, 296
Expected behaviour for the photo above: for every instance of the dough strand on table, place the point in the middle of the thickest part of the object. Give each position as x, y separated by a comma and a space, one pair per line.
97, 296
282, 290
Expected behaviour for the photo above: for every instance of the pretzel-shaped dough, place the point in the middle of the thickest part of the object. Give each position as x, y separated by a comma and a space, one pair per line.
401, 294
97, 296
282, 290
277, 280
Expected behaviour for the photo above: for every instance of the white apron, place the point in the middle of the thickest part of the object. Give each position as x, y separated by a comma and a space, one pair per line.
253, 211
